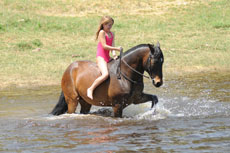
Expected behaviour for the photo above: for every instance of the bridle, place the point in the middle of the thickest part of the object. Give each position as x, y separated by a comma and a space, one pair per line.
149, 60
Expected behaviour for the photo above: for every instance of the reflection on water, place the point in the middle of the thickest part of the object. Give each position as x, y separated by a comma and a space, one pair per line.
192, 116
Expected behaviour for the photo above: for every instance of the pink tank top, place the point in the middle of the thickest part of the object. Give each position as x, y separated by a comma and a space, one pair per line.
101, 51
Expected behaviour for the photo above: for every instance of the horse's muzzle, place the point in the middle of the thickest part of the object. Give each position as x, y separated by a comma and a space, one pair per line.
157, 82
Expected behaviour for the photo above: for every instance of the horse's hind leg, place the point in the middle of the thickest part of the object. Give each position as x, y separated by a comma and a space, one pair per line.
72, 103
69, 89
85, 107
71, 97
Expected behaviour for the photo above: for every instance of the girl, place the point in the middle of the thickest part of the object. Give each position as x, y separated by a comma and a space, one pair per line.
105, 43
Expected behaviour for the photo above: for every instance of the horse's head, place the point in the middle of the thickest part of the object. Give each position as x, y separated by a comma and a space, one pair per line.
154, 64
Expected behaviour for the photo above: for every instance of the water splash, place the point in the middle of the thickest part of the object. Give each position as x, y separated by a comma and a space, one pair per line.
201, 107
167, 107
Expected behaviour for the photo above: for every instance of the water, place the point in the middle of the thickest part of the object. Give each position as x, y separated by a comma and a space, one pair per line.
192, 116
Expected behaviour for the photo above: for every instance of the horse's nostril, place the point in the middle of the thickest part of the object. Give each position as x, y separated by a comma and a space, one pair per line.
158, 84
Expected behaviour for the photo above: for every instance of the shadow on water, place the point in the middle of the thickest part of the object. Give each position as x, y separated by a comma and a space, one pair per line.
192, 115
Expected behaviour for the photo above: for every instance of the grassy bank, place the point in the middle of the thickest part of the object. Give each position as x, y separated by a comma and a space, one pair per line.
40, 38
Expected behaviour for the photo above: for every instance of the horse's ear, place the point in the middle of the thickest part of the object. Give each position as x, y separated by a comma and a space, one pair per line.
151, 47
158, 44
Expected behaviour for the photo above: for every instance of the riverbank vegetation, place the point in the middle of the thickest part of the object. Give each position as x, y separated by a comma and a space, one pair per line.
40, 38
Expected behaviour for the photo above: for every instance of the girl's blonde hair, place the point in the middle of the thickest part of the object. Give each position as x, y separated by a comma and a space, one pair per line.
104, 20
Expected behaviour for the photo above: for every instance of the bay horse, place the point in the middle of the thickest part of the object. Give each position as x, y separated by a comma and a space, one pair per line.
123, 87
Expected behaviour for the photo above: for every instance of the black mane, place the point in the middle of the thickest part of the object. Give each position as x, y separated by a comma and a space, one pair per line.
155, 50
135, 48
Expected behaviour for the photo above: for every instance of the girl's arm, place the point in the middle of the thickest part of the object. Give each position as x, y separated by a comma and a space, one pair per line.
113, 44
101, 38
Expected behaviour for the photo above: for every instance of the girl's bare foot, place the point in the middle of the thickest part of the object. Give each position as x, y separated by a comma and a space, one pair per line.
90, 93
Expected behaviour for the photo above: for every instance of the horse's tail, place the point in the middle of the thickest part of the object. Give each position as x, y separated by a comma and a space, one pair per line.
61, 107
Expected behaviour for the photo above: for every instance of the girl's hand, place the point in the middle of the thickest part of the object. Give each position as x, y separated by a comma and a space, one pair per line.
115, 57
119, 48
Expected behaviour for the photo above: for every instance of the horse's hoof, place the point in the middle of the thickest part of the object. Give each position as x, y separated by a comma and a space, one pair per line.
154, 100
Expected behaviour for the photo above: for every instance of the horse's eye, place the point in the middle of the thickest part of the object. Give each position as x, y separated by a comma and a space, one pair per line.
161, 60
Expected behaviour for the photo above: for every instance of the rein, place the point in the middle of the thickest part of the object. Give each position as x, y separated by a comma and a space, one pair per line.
121, 73
135, 70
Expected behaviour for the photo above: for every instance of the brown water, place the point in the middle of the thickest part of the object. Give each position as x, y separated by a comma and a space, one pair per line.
193, 115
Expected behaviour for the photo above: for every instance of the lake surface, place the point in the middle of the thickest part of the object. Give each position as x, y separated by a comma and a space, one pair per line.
193, 115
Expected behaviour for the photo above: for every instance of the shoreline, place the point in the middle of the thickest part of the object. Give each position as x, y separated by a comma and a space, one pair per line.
168, 74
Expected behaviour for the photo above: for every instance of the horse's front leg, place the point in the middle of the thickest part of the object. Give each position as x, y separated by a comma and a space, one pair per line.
117, 109
143, 98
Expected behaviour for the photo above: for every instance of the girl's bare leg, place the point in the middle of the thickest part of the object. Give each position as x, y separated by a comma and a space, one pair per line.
104, 75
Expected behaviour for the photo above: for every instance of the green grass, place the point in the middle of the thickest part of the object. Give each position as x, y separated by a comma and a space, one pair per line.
38, 38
